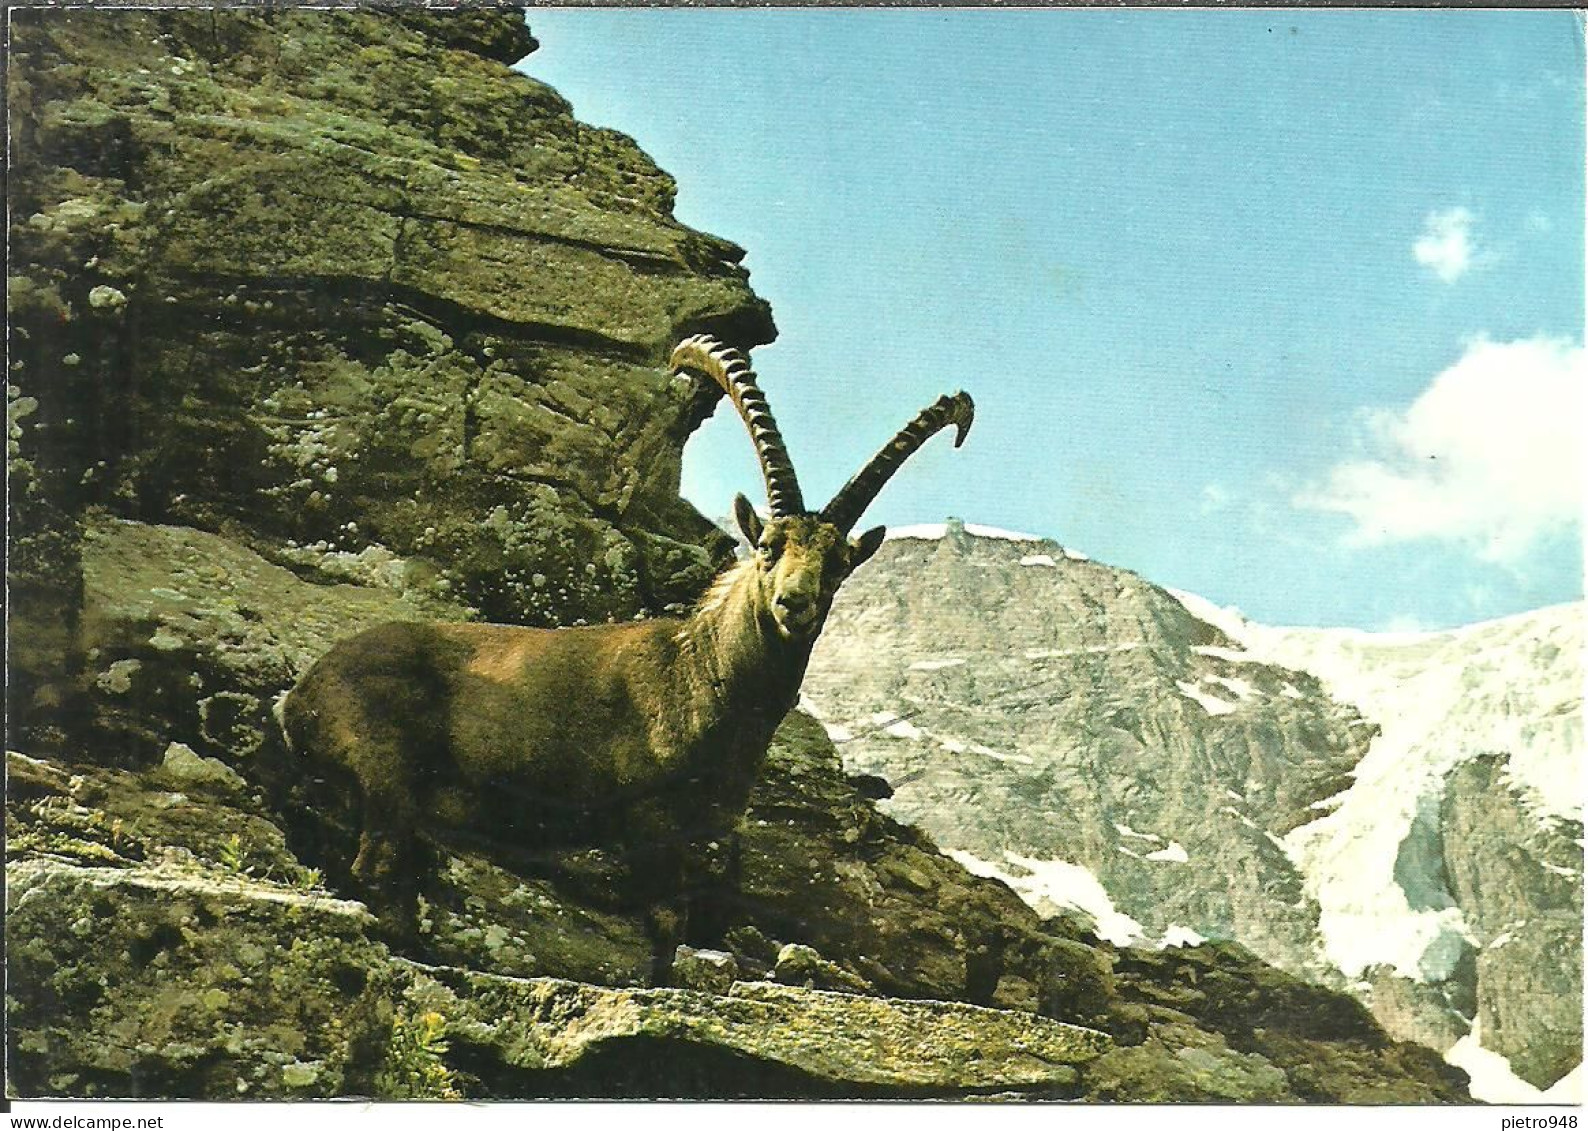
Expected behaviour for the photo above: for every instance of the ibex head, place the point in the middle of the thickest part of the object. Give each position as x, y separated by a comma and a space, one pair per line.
800, 561
802, 557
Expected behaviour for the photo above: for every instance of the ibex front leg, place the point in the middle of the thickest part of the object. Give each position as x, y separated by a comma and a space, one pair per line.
387, 866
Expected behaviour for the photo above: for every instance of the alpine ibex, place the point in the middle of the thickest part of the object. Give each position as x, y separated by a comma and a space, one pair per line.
630, 732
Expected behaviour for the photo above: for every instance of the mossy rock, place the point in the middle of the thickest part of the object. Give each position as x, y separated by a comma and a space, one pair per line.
432, 308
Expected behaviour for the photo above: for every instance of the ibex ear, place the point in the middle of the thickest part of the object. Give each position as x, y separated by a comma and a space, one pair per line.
749, 521
866, 545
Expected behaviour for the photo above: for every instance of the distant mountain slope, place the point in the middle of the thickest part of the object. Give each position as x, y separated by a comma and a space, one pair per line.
1022, 699
1459, 844
1371, 813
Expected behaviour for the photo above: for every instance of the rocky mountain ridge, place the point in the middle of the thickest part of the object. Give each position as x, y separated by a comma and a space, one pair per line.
1179, 773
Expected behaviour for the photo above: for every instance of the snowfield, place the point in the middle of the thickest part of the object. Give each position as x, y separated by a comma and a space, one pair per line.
1049, 885
1212, 704
1512, 687
1493, 1081
1440, 698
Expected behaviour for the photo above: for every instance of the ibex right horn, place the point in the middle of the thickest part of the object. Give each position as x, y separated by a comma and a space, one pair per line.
728, 368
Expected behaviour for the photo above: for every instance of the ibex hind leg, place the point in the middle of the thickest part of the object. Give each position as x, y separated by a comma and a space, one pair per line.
712, 874
371, 713
648, 837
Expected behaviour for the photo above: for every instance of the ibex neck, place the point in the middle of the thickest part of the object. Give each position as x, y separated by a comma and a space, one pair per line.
735, 647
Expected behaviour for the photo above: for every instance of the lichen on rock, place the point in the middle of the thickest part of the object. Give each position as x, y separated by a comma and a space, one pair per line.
431, 307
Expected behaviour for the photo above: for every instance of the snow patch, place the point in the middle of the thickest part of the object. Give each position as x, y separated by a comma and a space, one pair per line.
935, 531
1233, 655
1289, 691
989, 752
1005, 535
1209, 703
1048, 559
900, 728
1240, 687
1177, 935
837, 732
1229, 621
1049, 885
1332, 802
1494, 1082
1174, 854
934, 665
1126, 830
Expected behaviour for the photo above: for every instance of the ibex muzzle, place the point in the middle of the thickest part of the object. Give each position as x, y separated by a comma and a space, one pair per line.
656, 729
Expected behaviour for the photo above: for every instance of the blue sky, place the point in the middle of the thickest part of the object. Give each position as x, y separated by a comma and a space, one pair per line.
1283, 308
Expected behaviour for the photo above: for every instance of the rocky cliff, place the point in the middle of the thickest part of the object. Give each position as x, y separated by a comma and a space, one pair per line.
1393, 817
323, 318
340, 285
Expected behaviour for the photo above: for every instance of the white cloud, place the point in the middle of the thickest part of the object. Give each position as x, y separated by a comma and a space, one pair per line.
1491, 454
1446, 246
1214, 498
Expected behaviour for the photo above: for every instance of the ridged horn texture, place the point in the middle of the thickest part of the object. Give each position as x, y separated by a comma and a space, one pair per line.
728, 368
851, 502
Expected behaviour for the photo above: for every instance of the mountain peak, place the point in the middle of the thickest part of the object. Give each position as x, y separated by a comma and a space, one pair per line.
957, 528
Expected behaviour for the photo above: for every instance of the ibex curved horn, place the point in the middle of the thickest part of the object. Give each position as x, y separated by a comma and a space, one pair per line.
727, 367
856, 495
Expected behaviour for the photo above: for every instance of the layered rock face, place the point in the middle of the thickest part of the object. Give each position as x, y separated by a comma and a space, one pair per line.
341, 283
1023, 700
322, 319
1371, 814
1518, 882
165, 943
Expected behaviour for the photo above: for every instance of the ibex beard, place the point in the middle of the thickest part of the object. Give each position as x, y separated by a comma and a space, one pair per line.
644, 738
